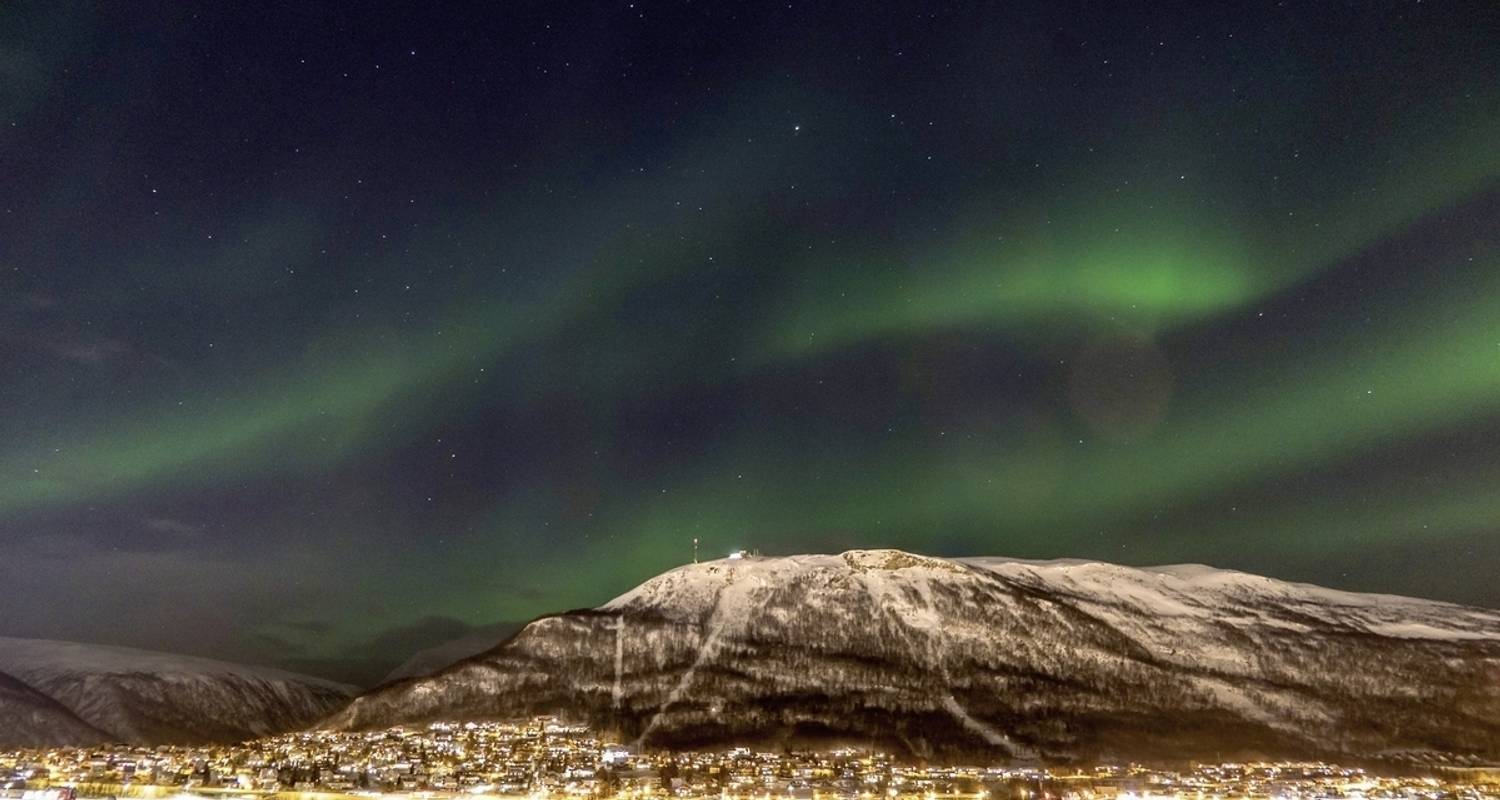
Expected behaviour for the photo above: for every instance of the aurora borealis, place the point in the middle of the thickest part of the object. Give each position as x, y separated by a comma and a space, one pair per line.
326, 334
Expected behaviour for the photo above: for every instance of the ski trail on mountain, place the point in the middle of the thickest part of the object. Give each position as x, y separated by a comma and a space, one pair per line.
737, 603
618, 693
989, 734
920, 623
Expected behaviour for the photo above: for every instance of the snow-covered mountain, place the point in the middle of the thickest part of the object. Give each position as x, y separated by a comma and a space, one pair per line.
29, 718
425, 662
1005, 657
68, 693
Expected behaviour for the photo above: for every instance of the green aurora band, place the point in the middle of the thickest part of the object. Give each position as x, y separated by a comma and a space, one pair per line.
1109, 248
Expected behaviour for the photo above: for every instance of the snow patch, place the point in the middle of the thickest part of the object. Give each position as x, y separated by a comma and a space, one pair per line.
1420, 630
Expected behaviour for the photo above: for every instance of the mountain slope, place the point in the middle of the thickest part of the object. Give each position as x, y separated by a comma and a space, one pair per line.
29, 718
1004, 657
155, 698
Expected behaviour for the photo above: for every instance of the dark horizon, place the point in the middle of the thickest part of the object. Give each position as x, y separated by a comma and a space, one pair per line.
328, 334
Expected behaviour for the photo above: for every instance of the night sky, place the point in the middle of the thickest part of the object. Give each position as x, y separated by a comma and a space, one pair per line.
330, 331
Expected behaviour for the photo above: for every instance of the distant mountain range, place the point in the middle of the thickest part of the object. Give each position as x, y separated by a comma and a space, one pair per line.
992, 657
425, 662
59, 693
939, 658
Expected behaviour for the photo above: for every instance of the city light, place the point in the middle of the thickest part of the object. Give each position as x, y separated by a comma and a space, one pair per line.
546, 758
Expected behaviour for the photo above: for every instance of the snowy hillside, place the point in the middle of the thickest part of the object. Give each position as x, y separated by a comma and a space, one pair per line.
1053, 659
145, 697
29, 718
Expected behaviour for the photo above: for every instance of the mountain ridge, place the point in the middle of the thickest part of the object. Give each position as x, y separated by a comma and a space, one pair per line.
145, 697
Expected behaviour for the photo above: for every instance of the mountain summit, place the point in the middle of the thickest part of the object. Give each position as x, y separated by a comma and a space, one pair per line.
999, 657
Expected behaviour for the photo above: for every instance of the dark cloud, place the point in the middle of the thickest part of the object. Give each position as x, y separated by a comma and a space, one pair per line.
314, 628
403, 640
96, 352
284, 649
172, 527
